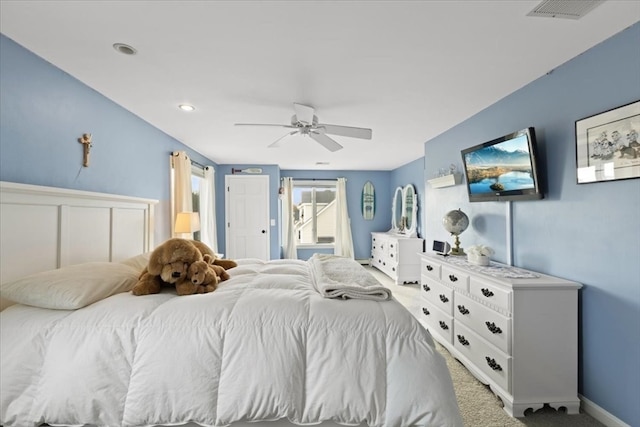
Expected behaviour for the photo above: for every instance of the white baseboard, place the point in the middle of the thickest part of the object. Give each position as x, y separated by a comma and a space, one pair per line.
363, 261
600, 414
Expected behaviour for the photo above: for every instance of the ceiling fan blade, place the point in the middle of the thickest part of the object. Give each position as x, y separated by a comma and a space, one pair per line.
362, 133
304, 113
325, 141
278, 142
265, 124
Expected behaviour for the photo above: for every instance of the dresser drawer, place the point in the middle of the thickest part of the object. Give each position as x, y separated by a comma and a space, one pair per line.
438, 294
430, 269
490, 294
456, 279
392, 250
493, 363
376, 260
437, 322
488, 323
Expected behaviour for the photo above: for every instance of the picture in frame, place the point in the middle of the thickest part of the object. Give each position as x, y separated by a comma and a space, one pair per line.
608, 145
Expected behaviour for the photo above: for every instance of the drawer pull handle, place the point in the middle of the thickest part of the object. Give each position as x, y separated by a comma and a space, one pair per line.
492, 364
425, 311
453, 278
462, 309
462, 340
493, 328
426, 288
486, 292
443, 325
429, 268
443, 298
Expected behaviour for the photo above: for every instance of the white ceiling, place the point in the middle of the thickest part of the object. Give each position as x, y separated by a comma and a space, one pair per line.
409, 70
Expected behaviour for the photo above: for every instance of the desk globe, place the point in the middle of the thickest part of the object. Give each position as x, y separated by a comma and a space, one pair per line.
455, 222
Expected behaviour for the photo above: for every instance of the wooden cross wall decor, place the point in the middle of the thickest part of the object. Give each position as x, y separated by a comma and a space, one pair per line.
86, 142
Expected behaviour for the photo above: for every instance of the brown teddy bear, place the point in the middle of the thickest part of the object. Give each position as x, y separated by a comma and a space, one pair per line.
206, 275
205, 250
220, 271
168, 264
147, 284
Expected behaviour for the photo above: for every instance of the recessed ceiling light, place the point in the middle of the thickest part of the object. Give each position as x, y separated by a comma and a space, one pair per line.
186, 107
124, 49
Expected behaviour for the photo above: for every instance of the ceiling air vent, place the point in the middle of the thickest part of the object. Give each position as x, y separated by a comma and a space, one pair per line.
566, 9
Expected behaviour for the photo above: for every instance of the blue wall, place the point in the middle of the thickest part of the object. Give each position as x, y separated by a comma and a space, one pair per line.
43, 112
589, 233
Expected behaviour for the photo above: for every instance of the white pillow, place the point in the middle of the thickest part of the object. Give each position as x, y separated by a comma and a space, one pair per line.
72, 287
139, 262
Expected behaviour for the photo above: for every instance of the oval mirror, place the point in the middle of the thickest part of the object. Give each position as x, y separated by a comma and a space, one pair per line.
410, 209
397, 208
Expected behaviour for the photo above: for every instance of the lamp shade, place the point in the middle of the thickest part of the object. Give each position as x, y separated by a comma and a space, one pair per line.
187, 222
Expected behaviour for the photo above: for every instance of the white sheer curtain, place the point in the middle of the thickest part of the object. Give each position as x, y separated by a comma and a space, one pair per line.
181, 199
344, 240
288, 226
208, 233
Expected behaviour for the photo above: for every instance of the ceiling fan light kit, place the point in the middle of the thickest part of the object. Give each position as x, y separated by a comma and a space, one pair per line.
304, 122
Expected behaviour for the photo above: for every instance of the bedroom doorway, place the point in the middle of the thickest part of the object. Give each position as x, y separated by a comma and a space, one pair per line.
247, 216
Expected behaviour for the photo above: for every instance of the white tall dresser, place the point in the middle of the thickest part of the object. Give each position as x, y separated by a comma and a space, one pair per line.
396, 256
513, 329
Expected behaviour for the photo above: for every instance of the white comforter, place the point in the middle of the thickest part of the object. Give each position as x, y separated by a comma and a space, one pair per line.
264, 346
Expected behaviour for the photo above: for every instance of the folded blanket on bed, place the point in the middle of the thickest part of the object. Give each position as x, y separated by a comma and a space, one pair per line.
339, 277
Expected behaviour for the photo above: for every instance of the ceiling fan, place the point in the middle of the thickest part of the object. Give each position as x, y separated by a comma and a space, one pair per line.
305, 122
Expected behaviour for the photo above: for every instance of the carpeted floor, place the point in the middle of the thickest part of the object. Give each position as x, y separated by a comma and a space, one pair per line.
479, 406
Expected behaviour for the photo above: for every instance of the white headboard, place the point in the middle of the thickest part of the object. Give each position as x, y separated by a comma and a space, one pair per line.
43, 228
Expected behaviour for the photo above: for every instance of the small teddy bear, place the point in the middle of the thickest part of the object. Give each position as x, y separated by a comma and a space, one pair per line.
203, 276
220, 271
206, 275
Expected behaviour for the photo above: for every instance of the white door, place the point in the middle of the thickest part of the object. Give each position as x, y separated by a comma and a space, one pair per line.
247, 216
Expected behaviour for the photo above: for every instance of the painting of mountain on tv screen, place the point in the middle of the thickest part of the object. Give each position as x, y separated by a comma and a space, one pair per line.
500, 167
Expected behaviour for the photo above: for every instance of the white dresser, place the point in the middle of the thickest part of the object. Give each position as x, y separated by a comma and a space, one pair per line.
397, 256
513, 329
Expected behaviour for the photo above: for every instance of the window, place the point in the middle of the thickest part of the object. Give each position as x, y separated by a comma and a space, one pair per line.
197, 178
197, 175
314, 212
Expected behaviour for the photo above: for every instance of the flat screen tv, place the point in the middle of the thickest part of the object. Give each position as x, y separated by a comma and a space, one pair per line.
502, 169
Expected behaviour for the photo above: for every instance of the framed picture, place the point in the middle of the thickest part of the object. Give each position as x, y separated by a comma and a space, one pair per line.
608, 145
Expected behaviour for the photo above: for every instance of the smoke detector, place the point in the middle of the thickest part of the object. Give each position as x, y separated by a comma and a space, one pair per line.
566, 9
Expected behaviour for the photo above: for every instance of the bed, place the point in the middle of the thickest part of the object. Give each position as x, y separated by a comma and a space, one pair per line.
268, 347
